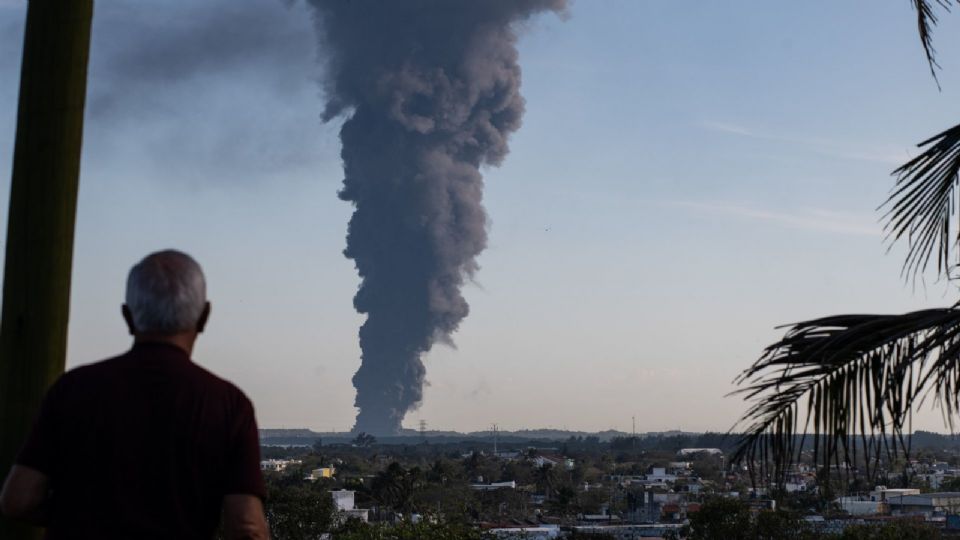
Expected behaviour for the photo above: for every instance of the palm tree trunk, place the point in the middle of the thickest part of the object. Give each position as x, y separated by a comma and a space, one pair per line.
43, 201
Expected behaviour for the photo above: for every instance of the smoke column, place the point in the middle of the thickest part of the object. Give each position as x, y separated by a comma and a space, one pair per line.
432, 91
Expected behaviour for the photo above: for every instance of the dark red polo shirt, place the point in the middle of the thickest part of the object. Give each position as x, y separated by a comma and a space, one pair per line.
144, 445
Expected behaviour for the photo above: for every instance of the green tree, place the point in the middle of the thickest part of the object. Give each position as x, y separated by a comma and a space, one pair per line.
546, 479
731, 519
565, 502
854, 380
590, 536
424, 530
364, 440
395, 487
894, 530
480, 466
782, 525
708, 467
518, 471
298, 512
721, 519
951, 484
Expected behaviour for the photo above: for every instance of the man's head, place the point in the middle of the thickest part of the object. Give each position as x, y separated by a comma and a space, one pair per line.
166, 296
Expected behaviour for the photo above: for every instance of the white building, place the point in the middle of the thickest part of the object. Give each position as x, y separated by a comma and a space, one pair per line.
882, 492
554, 461
659, 475
278, 465
927, 504
692, 451
878, 501
495, 485
527, 533
343, 499
859, 506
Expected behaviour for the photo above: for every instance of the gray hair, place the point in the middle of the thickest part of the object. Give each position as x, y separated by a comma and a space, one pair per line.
166, 293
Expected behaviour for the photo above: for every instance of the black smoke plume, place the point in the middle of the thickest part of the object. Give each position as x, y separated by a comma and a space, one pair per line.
432, 92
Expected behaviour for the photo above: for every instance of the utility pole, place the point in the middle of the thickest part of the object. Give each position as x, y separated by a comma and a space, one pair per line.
43, 204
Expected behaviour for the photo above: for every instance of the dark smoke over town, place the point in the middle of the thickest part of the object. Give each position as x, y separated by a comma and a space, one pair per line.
431, 92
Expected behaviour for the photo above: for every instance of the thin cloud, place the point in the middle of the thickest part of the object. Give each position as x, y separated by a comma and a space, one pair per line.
481, 390
887, 155
812, 219
734, 129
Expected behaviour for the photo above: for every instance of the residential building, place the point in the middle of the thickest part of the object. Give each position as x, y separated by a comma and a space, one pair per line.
541, 532
630, 532
495, 485
278, 465
554, 461
927, 504
684, 452
343, 499
322, 472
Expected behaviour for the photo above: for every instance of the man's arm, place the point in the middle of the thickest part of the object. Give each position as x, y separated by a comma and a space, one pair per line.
243, 518
244, 490
25, 494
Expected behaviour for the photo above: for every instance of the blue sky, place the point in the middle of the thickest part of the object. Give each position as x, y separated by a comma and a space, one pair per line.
688, 176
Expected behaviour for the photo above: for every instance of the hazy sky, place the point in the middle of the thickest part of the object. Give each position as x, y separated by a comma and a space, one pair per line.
688, 176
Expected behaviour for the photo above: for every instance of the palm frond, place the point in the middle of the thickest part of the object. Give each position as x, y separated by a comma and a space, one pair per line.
923, 202
926, 20
846, 385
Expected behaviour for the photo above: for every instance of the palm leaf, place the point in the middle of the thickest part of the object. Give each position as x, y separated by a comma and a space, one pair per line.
926, 20
846, 385
860, 376
923, 202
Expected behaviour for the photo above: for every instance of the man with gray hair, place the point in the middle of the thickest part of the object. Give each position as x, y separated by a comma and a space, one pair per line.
147, 444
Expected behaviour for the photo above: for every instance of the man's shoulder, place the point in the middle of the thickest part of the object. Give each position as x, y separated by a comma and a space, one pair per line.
120, 365
91, 370
215, 380
235, 401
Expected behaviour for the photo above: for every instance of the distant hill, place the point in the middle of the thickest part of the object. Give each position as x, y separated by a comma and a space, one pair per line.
307, 437
931, 440
922, 440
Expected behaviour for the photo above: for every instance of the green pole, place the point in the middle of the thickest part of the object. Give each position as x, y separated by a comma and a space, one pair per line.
43, 204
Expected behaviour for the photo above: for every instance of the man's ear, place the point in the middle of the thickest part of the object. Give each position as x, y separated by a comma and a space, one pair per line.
128, 318
202, 321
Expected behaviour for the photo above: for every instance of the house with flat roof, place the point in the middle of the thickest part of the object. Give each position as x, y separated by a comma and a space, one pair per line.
322, 472
278, 465
927, 504
344, 500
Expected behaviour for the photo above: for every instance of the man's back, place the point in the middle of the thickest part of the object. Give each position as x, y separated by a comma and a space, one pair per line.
144, 445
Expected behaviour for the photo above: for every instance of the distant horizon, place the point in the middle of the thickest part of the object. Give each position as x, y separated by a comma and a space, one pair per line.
416, 432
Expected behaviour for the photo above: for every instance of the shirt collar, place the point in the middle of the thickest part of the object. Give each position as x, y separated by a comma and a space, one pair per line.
159, 348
